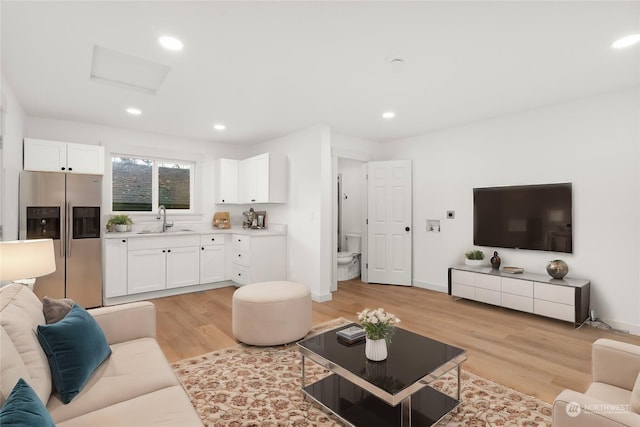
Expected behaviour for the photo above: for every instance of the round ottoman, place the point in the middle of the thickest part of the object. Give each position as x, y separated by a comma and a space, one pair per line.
271, 313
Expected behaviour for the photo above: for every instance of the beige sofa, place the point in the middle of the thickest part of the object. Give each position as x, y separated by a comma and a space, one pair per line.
612, 397
135, 386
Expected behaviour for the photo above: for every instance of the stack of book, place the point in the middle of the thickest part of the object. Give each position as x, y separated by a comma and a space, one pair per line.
351, 335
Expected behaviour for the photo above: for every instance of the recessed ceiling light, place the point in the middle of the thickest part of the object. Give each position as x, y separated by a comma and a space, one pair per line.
627, 41
388, 115
170, 43
219, 126
134, 111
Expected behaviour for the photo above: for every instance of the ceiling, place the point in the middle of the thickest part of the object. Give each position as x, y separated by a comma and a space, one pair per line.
266, 69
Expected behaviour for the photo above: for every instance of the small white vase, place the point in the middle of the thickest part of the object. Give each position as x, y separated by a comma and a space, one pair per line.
121, 227
474, 262
375, 350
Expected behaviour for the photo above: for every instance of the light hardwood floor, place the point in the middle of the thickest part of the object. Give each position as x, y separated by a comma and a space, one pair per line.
531, 354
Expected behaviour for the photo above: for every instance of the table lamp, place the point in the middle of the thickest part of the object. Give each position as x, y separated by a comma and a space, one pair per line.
24, 260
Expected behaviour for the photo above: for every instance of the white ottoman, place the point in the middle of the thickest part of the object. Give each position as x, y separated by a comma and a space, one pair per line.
271, 313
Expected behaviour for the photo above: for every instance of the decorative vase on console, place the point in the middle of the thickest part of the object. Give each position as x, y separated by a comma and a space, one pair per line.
495, 261
379, 327
557, 268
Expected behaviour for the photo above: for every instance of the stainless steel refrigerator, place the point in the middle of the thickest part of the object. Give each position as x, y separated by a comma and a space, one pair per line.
65, 208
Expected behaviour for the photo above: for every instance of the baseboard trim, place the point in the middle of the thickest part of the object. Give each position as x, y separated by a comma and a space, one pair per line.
430, 286
321, 298
622, 326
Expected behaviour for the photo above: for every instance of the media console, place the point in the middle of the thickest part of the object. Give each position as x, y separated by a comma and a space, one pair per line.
563, 299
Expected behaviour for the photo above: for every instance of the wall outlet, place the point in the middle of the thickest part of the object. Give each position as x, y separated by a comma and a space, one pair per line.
451, 214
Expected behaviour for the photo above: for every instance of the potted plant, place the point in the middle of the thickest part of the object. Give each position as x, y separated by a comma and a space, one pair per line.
474, 258
379, 327
119, 222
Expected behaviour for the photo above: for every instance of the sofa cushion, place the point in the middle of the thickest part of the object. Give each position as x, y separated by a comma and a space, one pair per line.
135, 368
24, 408
634, 403
75, 347
20, 315
166, 407
56, 309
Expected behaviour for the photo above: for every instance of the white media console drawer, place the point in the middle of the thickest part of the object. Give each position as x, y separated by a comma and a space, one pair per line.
563, 299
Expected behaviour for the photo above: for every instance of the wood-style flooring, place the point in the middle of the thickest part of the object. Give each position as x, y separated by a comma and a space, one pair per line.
531, 354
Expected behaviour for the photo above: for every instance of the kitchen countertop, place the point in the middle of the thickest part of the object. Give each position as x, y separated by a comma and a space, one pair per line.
273, 231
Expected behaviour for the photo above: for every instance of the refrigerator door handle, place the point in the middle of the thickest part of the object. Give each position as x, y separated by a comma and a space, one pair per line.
69, 230
63, 229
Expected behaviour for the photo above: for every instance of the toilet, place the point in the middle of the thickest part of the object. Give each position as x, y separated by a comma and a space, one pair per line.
349, 260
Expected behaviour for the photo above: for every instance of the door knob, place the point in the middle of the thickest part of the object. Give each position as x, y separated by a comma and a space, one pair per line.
407, 229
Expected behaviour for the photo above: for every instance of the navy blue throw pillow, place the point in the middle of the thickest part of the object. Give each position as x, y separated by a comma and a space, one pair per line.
75, 346
24, 408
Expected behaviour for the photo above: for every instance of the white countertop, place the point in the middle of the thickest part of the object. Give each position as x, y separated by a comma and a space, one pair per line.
272, 231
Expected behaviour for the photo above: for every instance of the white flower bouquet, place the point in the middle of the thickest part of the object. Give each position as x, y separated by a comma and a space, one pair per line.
378, 324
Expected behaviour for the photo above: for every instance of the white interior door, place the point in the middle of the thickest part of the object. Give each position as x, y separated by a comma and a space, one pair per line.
389, 222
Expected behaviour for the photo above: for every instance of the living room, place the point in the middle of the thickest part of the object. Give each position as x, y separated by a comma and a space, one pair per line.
586, 135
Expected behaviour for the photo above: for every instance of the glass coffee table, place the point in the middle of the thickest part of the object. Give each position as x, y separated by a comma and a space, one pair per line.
394, 392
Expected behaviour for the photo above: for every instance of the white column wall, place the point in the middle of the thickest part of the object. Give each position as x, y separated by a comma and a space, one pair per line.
303, 213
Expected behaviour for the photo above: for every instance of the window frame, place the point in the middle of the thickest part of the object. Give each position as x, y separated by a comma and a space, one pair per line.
155, 182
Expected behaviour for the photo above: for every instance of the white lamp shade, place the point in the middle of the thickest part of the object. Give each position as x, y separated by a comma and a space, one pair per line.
26, 259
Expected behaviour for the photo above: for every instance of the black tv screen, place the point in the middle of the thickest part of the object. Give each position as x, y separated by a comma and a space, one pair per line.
536, 217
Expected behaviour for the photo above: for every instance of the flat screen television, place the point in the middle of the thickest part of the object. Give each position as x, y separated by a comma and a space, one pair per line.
537, 217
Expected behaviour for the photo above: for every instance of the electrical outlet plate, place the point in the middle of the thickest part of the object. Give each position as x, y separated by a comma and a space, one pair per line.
451, 214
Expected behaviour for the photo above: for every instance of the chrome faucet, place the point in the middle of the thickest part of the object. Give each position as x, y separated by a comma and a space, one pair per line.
162, 211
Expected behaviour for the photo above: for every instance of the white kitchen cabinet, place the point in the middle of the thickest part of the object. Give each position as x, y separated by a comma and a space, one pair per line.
146, 270
183, 267
212, 258
115, 271
263, 179
227, 181
57, 156
156, 263
259, 258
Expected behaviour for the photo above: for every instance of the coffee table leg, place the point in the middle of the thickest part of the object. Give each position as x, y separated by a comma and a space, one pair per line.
303, 374
405, 409
458, 383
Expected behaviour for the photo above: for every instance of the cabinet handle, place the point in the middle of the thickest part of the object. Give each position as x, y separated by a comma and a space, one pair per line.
253, 200
163, 251
222, 200
169, 250
63, 168
239, 255
124, 241
213, 239
70, 169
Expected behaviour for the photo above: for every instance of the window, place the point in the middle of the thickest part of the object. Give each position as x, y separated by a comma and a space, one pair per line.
142, 184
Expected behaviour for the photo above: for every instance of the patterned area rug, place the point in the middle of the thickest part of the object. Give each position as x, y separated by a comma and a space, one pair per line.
260, 386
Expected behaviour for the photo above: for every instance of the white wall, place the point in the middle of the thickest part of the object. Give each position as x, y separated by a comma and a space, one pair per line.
118, 140
351, 171
303, 211
593, 143
14, 129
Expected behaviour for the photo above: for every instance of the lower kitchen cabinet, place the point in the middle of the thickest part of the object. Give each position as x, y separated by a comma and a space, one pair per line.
258, 258
115, 271
212, 258
156, 263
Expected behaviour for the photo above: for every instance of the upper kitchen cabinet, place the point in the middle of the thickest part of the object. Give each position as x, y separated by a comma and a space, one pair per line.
258, 179
227, 181
56, 156
263, 179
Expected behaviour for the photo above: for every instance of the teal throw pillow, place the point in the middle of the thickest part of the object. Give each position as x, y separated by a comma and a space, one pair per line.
75, 346
24, 408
